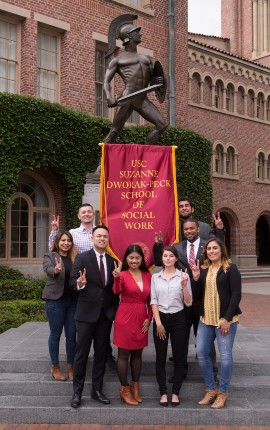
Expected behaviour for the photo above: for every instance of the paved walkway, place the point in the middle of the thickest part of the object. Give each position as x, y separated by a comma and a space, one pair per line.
255, 306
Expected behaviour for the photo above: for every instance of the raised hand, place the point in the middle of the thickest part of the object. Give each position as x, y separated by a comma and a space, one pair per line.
218, 221
196, 271
81, 281
55, 223
117, 270
158, 238
184, 279
58, 265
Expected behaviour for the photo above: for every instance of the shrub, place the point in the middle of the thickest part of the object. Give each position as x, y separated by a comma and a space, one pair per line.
16, 312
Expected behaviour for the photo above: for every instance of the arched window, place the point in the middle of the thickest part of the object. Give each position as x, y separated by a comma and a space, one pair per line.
260, 106
195, 88
230, 98
230, 159
250, 103
207, 91
260, 166
27, 221
241, 101
219, 95
268, 168
219, 159
268, 109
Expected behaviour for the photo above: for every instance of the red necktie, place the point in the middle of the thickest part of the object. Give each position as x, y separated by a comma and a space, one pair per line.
102, 270
191, 260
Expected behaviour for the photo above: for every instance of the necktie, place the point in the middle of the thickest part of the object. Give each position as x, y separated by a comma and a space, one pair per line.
102, 270
191, 260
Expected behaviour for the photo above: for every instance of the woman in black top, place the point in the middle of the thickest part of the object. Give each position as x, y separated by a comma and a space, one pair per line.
60, 302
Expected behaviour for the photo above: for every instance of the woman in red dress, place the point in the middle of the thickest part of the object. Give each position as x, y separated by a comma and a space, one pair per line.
133, 317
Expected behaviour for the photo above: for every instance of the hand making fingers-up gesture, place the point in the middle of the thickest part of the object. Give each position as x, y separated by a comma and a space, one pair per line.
81, 281
196, 271
55, 223
58, 265
158, 238
117, 270
218, 221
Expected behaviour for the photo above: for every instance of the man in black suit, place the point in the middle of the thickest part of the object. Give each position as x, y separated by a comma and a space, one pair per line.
92, 276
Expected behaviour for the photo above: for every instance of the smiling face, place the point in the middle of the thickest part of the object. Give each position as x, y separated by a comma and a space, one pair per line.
191, 231
134, 260
185, 209
213, 252
64, 244
86, 215
100, 239
168, 259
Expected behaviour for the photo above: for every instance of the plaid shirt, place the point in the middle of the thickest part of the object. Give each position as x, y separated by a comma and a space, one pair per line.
82, 239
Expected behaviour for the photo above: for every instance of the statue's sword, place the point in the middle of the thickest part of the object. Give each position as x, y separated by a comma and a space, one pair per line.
139, 93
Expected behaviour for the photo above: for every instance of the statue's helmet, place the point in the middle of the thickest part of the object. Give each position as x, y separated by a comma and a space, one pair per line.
125, 30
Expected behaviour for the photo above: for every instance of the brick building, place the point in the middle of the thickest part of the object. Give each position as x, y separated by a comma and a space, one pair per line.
219, 87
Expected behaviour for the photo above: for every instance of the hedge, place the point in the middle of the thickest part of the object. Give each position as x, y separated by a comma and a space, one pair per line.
17, 312
34, 132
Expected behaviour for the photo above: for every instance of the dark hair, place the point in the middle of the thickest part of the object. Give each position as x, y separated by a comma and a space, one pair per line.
175, 253
191, 220
100, 226
225, 260
85, 204
129, 250
72, 252
186, 199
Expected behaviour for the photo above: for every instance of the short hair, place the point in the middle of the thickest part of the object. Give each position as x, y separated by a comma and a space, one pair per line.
185, 198
85, 204
100, 226
129, 250
175, 253
191, 220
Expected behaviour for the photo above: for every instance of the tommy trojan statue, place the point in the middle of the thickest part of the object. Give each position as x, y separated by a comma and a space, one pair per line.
139, 76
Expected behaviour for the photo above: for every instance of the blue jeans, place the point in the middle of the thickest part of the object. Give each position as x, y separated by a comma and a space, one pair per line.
204, 342
60, 313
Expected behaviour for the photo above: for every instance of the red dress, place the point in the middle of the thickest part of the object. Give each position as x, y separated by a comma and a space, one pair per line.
133, 310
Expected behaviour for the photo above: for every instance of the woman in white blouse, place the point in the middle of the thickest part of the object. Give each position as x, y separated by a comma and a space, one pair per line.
170, 291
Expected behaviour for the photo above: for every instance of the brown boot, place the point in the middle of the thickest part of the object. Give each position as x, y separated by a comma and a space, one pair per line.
57, 374
135, 391
70, 371
126, 396
220, 401
209, 397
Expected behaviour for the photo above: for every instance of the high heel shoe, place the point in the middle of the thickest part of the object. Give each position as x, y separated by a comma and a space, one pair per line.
126, 396
135, 391
210, 397
175, 403
220, 401
164, 404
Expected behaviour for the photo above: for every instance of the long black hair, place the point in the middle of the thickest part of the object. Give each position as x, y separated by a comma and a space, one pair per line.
129, 250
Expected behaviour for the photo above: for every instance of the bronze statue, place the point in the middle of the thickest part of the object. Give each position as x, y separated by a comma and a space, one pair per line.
139, 76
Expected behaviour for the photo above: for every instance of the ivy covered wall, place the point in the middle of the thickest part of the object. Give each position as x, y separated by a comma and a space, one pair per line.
39, 134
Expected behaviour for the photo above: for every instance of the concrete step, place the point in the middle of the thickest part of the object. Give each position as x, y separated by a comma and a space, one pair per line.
192, 388
50, 409
255, 273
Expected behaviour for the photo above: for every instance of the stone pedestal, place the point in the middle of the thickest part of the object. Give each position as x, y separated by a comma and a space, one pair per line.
92, 192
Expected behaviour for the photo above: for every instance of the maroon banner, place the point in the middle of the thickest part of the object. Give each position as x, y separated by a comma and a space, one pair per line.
138, 196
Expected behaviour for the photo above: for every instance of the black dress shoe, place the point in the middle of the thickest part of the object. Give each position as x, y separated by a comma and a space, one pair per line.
76, 400
111, 363
100, 397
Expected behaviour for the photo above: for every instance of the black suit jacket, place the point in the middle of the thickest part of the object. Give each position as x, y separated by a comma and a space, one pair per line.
94, 296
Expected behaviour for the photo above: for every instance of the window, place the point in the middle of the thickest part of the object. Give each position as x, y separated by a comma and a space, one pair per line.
241, 101
219, 159
229, 161
48, 65
27, 222
260, 164
230, 98
268, 168
101, 65
260, 106
219, 95
195, 88
268, 109
250, 103
8, 56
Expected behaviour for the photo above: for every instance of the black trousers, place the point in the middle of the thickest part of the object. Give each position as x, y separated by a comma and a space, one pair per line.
98, 333
192, 314
175, 326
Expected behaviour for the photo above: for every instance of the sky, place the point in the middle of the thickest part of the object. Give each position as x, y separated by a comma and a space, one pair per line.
204, 17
